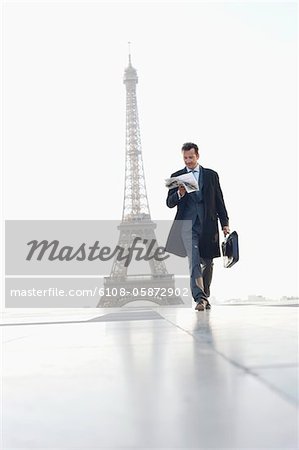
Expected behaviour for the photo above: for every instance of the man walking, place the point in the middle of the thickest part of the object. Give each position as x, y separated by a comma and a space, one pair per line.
194, 232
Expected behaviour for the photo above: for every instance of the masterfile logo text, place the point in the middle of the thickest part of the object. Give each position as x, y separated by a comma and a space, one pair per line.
55, 251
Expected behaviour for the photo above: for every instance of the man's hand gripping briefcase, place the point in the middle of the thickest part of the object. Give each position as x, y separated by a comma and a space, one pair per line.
230, 249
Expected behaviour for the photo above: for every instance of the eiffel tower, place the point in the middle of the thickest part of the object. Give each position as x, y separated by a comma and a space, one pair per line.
136, 222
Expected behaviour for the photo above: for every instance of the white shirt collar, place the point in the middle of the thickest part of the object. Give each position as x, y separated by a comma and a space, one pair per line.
196, 169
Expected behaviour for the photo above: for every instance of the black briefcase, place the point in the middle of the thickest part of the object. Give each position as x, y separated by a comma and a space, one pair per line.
230, 249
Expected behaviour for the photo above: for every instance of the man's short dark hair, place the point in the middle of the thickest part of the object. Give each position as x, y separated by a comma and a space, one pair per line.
188, 146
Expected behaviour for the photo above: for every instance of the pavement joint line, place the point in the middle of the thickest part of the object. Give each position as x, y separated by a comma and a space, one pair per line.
14, 339
245, 369
42, 323
275, 366
89, 320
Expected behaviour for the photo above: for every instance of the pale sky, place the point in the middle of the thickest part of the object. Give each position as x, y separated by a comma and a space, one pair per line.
223, 75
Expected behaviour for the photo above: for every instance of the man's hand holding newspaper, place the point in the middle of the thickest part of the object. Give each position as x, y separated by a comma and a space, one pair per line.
187, 180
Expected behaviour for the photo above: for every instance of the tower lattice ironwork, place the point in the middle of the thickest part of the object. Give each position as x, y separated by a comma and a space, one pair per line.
136, 219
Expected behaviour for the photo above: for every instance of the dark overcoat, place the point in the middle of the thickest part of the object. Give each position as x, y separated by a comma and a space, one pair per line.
214, 209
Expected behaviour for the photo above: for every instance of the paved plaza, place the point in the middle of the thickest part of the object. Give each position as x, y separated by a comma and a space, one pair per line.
151, 378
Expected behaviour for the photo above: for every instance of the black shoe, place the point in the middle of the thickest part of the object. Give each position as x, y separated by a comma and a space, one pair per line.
200, 306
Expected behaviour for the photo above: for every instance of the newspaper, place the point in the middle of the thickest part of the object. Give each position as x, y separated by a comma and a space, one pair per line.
187, 180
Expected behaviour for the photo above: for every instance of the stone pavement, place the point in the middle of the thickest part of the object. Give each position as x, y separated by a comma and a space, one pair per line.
151, 378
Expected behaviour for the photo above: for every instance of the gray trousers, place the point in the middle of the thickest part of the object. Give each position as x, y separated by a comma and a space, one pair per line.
198, 266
